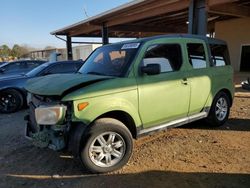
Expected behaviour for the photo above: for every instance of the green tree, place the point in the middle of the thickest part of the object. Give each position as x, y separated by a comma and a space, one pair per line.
24, 51
5, 51
16, 51
19, 51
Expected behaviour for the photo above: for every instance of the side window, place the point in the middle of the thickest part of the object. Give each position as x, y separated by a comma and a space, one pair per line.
168, 56
196, 55
12, 67
219, 54
62, 68
31, 64
69, 67
53, 69
79, 65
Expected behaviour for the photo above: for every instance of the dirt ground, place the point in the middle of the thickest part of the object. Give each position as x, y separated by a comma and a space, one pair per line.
193, 155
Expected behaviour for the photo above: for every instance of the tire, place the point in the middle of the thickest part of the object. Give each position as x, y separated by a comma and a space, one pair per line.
219, 111
11, 101
107, 146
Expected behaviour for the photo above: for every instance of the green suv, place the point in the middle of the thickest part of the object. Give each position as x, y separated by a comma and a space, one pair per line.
128, 89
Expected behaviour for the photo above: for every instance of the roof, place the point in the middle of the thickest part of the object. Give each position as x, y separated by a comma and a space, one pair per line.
63, 61
183, 36
142, 18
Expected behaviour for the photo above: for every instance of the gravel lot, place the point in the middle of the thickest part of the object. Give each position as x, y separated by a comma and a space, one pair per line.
190, 156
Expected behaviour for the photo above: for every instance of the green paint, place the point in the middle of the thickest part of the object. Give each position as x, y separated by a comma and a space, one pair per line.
149, 100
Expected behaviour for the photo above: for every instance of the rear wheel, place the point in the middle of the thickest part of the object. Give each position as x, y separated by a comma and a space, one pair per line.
219, 111
107, 146
10, 101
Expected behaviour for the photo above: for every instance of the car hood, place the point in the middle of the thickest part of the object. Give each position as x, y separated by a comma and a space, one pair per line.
11, 77
60, 84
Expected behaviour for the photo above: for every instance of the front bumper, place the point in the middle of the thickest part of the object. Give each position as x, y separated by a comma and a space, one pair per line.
43, 136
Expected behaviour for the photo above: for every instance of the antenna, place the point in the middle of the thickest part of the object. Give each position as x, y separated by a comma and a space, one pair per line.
85, 12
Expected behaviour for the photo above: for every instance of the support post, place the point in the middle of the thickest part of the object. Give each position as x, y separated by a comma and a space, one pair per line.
69, 48
197, 21
105, 37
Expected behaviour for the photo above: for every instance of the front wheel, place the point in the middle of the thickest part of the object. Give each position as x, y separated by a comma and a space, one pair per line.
107, 146
219, 111
11, 100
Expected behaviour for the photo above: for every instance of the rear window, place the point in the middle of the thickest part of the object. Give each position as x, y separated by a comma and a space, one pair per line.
219, 54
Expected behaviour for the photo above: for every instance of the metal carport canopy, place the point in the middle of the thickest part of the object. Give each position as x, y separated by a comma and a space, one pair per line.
142, 18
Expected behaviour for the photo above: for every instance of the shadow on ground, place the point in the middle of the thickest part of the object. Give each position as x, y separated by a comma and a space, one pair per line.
240, 89
144, 179
230, 125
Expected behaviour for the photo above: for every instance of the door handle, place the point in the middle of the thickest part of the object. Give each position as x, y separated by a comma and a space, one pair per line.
184, 81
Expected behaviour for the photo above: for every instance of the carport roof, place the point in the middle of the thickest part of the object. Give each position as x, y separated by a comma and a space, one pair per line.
141, 18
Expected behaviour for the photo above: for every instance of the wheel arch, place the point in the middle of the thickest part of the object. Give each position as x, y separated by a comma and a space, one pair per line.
124, 117
212, 118
21, 91
228, 93
79, 128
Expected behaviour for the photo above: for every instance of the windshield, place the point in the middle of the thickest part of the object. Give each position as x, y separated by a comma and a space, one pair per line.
3, 64
112, 60
37, 70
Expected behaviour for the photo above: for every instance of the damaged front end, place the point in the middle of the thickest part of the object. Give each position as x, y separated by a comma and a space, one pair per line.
47, 123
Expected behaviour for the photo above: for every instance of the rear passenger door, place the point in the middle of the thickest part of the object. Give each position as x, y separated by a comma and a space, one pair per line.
198, 75
163, 97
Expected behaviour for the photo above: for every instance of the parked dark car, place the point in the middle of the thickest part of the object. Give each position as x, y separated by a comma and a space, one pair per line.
19, 67
12, 92
3, 64
246, 84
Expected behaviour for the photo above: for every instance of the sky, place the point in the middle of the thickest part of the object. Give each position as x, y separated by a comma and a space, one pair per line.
29, 22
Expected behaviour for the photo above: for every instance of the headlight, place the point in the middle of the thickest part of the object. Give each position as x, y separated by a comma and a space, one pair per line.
50, 115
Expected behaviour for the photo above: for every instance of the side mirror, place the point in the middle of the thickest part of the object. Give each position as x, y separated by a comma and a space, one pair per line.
151, 69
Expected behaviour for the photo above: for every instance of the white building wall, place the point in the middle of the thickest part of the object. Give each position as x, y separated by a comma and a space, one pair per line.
83, 51
235, 32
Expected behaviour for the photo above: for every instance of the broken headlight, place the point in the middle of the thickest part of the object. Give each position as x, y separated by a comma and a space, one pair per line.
50, 115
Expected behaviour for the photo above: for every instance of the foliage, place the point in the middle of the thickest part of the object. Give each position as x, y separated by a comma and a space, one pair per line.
5, 51
17, 51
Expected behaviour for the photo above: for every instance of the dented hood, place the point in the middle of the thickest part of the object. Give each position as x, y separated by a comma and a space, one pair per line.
59, 84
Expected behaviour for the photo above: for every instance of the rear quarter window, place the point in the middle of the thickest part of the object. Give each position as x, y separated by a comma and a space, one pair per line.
219, 53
